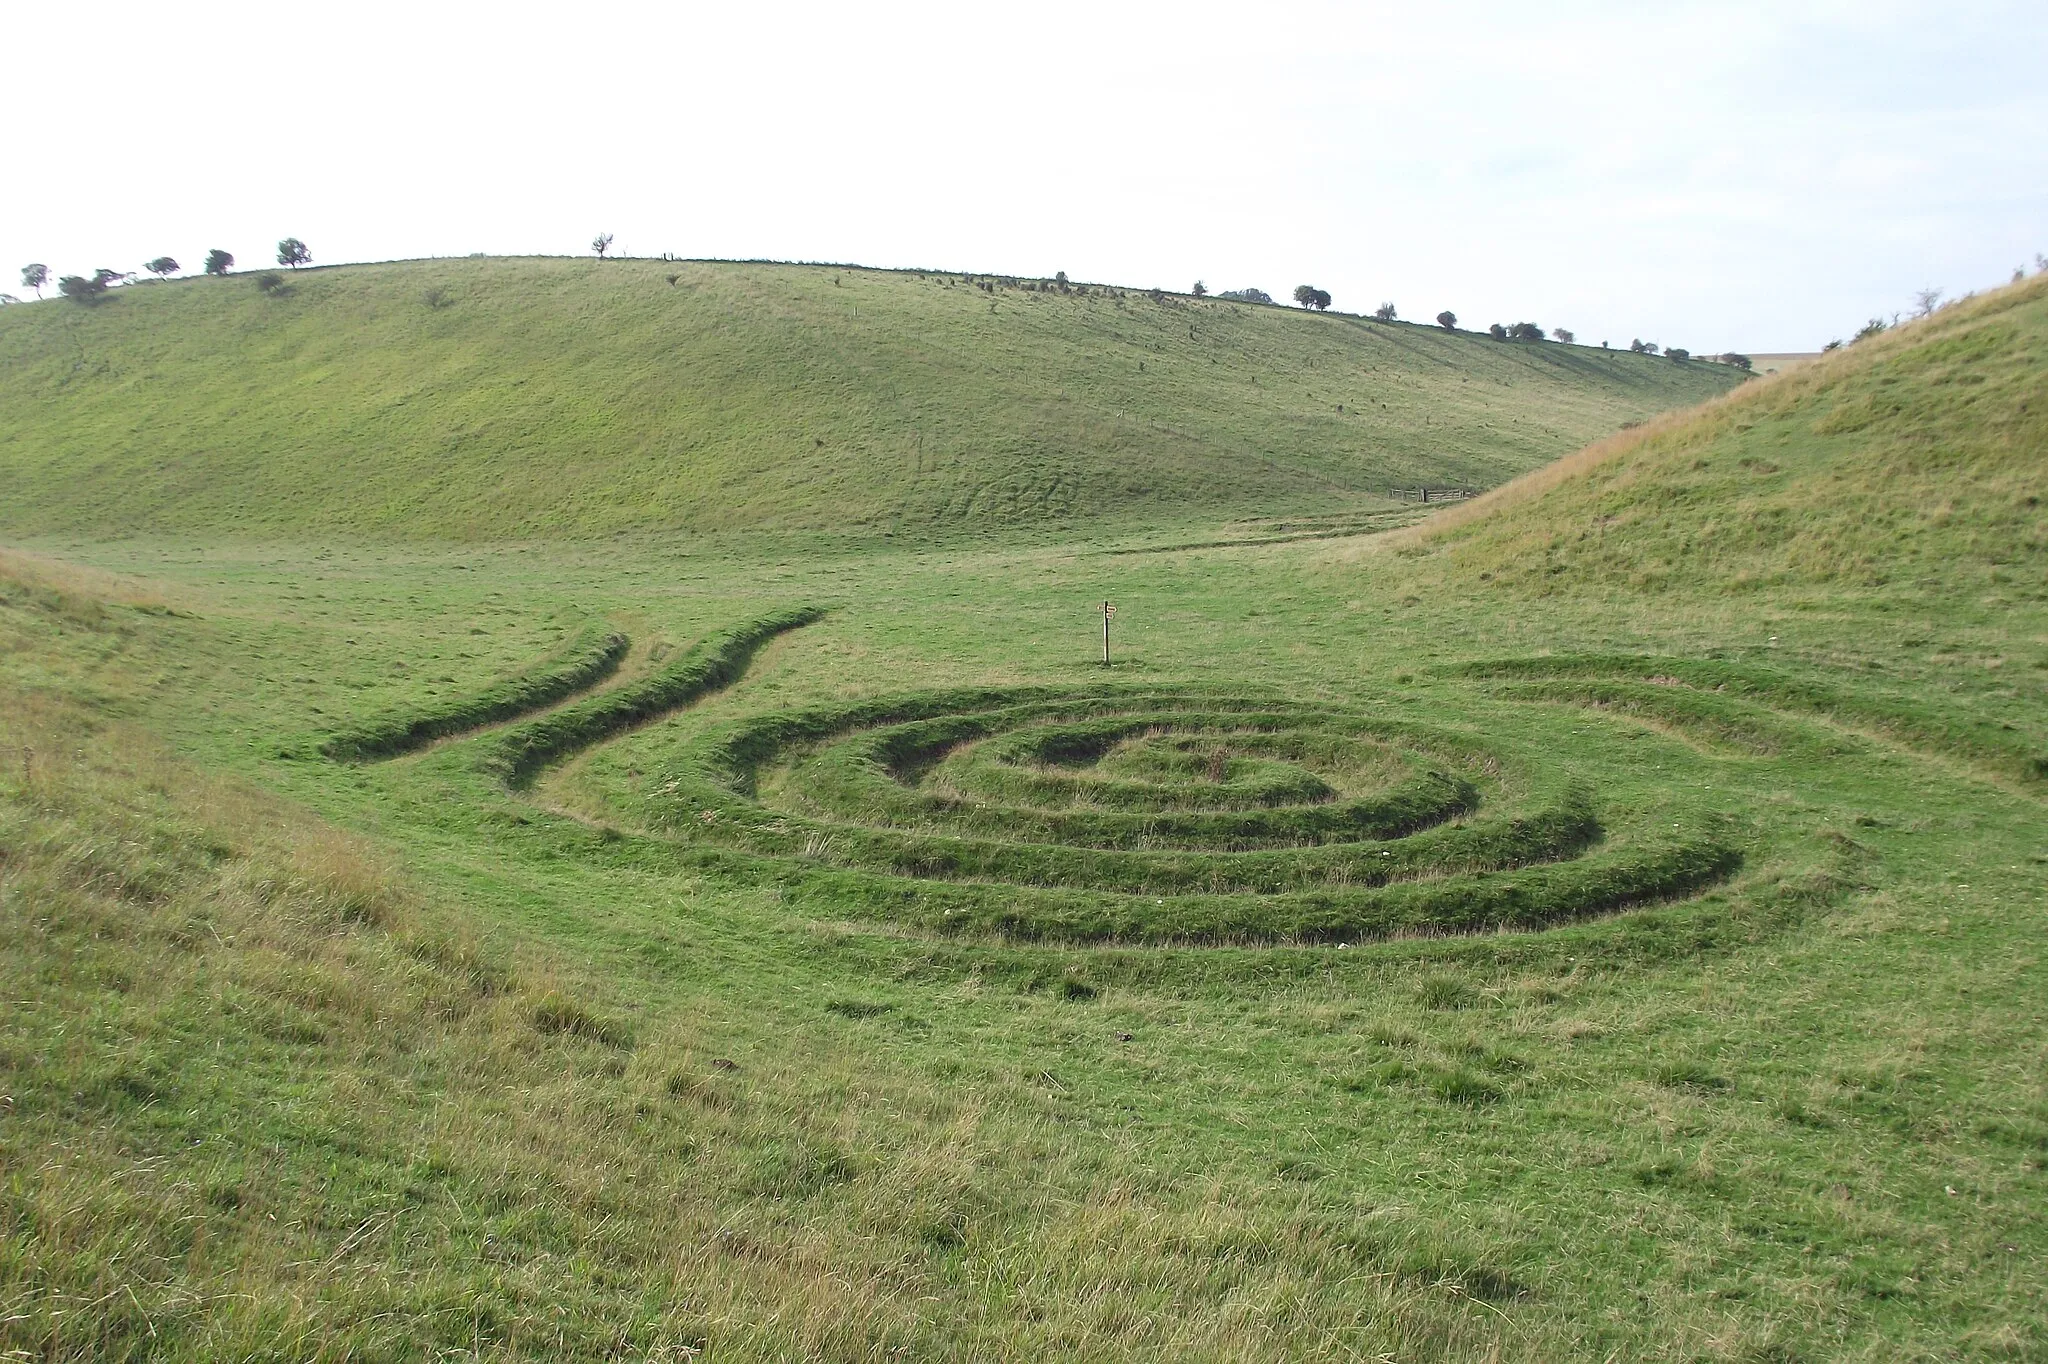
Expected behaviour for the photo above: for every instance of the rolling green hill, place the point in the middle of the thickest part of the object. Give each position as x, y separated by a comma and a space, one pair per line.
478, 399
1910, 462
1603, 924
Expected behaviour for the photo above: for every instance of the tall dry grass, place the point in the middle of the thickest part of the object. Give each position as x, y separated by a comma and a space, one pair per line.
77, 590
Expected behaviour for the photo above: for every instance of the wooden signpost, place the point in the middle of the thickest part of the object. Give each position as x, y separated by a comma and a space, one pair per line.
1108, 610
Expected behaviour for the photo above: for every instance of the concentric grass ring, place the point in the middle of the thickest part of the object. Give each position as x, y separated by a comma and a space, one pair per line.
1142, 814
1154, 814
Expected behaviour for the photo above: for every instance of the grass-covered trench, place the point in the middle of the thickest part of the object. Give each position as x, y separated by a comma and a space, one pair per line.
649, 1055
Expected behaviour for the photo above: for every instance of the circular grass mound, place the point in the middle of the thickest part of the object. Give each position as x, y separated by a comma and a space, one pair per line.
1156, 815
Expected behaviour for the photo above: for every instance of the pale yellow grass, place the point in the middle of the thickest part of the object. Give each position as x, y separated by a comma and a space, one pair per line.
77, 587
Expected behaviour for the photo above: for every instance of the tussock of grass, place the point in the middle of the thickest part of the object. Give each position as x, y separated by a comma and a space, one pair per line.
590, 656
556, 1013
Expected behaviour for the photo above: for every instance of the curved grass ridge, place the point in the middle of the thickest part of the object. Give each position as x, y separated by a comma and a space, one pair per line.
589, 657
1999, 749
846, 807
518, 755
1522, 899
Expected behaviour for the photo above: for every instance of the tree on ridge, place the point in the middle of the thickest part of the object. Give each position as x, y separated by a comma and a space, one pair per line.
35, 277
291, 251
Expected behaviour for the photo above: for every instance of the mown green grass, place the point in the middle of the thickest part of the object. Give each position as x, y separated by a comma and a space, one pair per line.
561, 397
516, 1073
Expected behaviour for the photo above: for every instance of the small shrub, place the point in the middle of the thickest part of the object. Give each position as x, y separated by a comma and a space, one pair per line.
1677, 353
1688, 1075
270, 282
1461, 1086
88, 289
437, 297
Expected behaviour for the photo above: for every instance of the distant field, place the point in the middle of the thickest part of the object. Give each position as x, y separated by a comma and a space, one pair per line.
490, 399
1784, 360
1602, 922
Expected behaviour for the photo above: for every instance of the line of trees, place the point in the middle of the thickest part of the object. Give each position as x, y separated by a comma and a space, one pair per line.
91, 288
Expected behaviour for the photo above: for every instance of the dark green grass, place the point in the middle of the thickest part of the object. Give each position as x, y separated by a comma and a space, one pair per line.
1188, 895
519, 754
592, 655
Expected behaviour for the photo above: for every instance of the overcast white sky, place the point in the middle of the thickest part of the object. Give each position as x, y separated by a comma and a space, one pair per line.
1756, 176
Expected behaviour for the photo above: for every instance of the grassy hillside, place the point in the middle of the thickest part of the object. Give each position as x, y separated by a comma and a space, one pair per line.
476, 399
1608, 928
1912, 462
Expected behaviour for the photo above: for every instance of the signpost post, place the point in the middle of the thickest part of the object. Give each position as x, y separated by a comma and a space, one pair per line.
1108, 610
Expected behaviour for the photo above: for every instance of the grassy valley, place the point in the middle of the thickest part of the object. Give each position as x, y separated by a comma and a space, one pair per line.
1600, 922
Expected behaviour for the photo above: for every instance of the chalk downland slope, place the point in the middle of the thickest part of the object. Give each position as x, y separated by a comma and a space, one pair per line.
480, 399
1914, 461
